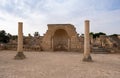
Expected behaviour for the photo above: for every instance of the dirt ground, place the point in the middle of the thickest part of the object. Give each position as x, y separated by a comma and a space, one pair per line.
59, 65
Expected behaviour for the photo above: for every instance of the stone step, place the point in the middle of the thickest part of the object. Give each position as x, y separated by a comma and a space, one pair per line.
99, 50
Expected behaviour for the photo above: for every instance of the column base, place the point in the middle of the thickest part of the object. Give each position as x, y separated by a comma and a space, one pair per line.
87, 59
19, 56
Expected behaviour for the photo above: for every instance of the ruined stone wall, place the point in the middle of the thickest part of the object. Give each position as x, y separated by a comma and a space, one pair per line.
48, 42
111, 44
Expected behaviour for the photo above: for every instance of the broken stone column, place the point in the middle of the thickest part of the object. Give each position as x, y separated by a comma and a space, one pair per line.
87, 56
20, 54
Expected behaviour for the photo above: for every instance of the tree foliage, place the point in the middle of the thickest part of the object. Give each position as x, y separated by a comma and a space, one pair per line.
95, 35
4, 37
36, 34
114, 35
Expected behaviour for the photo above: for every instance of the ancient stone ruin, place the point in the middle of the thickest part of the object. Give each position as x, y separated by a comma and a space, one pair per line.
61, 37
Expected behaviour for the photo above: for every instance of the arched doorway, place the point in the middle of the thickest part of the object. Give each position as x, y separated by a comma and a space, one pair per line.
60, 40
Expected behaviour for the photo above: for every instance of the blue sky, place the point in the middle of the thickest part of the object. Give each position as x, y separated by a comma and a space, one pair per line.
104, 15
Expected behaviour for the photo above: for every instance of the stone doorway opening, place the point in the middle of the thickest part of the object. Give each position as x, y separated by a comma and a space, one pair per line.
60, 40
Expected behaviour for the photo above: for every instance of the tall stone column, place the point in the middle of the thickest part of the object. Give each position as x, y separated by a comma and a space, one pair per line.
20, 54
87, 56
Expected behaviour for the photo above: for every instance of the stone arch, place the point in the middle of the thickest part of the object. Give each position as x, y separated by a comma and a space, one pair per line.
58, 28
60, 40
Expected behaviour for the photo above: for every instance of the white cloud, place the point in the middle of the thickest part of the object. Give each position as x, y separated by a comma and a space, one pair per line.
36, 14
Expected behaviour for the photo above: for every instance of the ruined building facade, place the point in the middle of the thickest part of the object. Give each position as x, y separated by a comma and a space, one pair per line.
61, 37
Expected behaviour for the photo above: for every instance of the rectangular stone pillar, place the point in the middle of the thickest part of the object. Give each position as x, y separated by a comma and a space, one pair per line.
20, 54
87, 56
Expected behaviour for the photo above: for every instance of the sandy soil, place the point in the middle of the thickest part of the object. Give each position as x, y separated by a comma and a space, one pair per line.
59, 65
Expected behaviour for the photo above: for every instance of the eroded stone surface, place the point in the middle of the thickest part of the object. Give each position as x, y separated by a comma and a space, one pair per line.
61, 37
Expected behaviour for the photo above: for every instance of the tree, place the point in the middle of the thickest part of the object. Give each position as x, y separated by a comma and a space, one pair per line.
4, 37
92, 34
114, 35
36, 34
95, 35
14, 37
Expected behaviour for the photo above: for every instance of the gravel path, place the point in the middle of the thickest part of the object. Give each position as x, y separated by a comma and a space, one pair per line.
59, 65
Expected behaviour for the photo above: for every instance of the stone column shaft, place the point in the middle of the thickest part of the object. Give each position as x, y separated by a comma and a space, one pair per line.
87, 39
52, 44
20, 55
20, 37
87, 56
68, 44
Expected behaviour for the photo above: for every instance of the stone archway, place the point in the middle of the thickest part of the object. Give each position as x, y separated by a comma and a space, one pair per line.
60, 40
61, 35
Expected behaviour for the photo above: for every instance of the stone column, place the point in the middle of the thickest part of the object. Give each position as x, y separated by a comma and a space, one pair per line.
87, 56
20, 54
68, 44
52, 43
